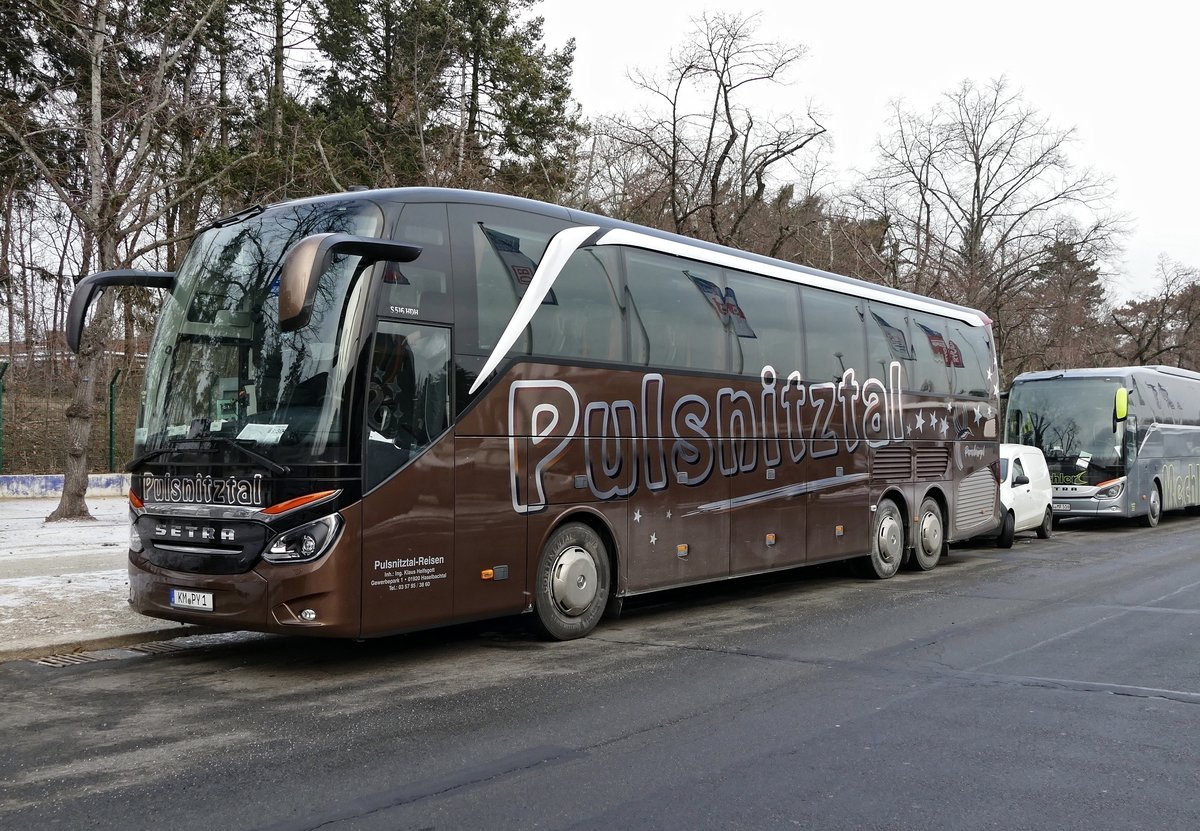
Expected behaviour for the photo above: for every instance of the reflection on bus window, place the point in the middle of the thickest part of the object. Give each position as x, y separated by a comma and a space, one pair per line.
673, 322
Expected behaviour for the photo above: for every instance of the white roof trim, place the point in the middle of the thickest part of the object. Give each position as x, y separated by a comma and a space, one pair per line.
567, 241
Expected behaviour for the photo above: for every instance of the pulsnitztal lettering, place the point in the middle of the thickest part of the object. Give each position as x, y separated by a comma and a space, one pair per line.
203, 489
658, 439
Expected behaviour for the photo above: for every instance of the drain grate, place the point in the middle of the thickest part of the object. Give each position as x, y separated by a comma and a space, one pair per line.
157, 647
67, 660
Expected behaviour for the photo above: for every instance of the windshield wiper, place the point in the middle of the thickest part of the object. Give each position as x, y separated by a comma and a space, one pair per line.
269, 464
197, 445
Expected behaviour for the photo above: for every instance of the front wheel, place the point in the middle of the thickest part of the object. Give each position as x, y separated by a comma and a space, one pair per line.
887, 542
1046, 529
573, 585
1152, 516
931, 537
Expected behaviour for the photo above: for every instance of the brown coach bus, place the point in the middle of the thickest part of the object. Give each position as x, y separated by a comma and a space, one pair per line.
380, 411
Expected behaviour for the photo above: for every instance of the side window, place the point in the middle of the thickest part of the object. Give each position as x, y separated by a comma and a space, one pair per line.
673, 311
887, 340
969, 376
408, 395
833, 335
1018, 469
935, 354
496, 252
766, 324
582, 316
420, 288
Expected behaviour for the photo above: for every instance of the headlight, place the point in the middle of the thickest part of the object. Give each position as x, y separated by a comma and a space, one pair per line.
308, 542
1111, 492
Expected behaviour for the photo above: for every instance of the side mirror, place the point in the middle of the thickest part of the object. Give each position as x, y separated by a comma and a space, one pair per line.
85, 292
308, 259
1121, 404
1020, 479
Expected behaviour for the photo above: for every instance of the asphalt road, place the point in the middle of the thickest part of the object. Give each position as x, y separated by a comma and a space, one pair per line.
1055, 685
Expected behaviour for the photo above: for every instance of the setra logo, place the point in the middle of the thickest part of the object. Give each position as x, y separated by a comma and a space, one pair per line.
202, 533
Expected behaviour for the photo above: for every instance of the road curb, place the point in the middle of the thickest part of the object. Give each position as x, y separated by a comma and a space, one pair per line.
108, 642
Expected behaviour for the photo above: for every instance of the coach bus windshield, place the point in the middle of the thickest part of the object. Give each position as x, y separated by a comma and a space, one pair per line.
222, 368
1071, 421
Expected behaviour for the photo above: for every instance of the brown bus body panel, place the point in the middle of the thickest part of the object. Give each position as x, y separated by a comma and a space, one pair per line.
270, 597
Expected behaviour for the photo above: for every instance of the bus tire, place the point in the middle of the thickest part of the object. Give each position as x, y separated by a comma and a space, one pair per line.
930, 542
1007, 530
572, 585
1152, 516
887, 541
1046, 529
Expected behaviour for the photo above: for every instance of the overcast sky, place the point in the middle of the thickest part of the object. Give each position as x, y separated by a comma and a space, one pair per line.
1125, 77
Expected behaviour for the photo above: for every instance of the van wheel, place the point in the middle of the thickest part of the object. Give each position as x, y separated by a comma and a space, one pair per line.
1150, 520
1007, 529
887, 542
1046, 529
572, 586
931, 537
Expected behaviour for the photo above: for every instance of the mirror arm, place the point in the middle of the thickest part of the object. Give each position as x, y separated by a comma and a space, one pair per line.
86, 289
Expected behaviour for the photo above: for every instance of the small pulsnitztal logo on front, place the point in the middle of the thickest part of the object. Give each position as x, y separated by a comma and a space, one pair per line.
203, 489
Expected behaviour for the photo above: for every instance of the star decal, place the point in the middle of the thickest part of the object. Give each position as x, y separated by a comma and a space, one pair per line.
653, 539
945, 427
637, 515
920, 419
668, 514
991, 373
978, 414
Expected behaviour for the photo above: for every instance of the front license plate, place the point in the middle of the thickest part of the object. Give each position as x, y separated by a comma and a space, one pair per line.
188, 599
1061, 506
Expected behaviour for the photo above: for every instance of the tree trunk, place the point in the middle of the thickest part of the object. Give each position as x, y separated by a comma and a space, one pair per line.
79, 414
91, 350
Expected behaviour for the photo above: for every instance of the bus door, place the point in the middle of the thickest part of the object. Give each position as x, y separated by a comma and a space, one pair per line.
408, 468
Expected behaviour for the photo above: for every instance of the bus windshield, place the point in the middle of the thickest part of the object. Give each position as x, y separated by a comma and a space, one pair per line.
220, 366
1071, 422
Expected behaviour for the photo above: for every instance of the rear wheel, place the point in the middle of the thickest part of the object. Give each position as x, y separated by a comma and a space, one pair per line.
931, 537
572, 588
1007, 529
1046, 529
1152, 516
887, 542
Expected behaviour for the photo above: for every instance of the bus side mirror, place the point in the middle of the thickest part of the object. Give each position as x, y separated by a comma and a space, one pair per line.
308, 259
1120, 405
86, 289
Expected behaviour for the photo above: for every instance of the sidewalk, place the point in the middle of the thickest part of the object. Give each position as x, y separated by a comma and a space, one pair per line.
63, 585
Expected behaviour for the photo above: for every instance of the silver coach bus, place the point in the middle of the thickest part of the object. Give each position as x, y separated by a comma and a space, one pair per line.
1120, 441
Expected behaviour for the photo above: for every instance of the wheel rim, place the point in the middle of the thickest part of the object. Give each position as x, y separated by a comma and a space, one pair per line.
931, 534
573, 583
1154, 504
890, 540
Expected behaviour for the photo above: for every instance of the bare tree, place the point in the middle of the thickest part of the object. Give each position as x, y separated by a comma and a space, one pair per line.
975, 194
701, 162
96, 131
1161, 327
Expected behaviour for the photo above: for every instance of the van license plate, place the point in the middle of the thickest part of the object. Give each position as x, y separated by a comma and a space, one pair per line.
1061, 506
188, 599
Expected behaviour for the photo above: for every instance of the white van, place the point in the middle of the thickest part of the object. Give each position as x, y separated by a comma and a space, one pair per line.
1025, 493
